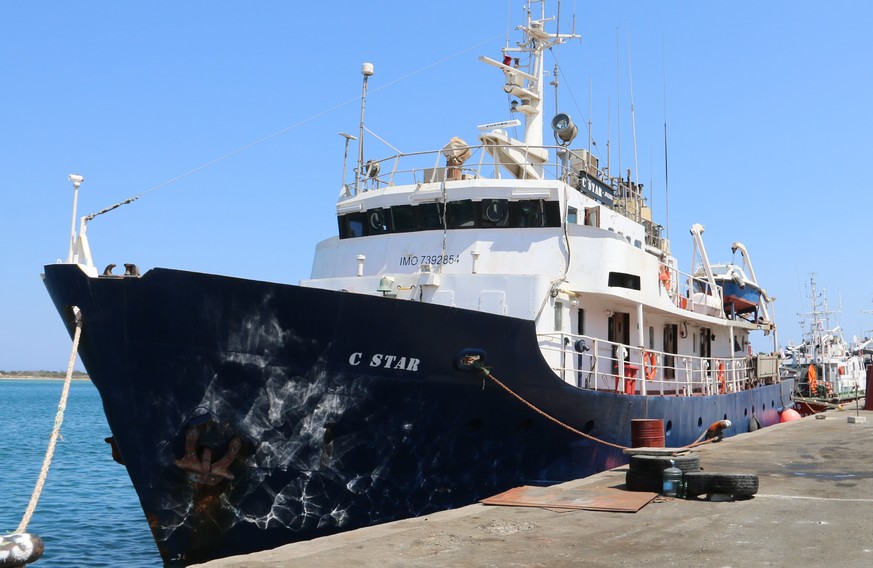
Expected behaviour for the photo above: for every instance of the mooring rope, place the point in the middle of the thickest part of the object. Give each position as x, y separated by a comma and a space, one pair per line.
59, 419
698, 442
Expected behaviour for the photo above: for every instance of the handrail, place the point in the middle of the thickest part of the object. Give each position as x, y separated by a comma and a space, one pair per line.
700, 298
552, 168
597, 364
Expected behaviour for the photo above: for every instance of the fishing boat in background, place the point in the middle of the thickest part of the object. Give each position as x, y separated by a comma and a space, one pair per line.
828, 369
487, 316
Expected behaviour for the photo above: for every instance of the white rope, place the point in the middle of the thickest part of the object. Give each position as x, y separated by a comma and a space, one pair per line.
59, 419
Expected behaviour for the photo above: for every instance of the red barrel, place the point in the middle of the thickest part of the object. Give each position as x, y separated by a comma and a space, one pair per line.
647, 433
868, 400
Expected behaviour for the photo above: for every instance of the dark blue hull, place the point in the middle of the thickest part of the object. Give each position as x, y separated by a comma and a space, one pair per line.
251, 414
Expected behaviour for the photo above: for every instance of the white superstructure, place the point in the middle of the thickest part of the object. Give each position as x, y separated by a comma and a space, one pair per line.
540, 232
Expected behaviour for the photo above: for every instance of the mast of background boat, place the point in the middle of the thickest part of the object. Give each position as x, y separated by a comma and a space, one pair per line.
367, 72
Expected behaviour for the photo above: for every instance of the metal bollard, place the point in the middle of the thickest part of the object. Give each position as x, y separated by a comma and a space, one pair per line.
19, 549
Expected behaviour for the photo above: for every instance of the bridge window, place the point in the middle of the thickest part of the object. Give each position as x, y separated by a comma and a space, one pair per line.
462, 214
405, 218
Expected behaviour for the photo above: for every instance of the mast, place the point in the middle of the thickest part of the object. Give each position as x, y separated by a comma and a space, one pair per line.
528, 85
367, 72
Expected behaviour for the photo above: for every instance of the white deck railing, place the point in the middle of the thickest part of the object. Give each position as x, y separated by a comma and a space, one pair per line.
430, 167
597, 364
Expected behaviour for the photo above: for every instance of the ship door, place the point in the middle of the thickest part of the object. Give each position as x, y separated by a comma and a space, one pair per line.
619, 332
670, 350
706, 344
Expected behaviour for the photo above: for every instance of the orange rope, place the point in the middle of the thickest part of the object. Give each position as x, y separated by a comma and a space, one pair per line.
488, 374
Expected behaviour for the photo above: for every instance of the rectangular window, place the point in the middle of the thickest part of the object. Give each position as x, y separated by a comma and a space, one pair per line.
572, 215
378, 221
462, 214
352, 225
494, 213
651, 337
404, 218
430, 216
623, 280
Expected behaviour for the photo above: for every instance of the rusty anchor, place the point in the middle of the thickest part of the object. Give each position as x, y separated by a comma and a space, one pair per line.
201, 466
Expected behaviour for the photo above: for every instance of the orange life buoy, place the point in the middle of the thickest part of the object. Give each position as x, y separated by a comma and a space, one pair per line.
720, 373
650, 365
664, 276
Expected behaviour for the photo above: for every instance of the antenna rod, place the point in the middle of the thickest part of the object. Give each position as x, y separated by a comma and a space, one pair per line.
558, 23
618, 97
77, 181
609, 137
367, 72
348, 138
666, 169
590, 110
630, 73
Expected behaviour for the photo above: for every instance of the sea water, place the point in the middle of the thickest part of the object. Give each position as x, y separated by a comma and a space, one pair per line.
88, 514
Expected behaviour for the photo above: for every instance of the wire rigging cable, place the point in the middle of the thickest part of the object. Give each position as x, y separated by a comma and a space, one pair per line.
287, 128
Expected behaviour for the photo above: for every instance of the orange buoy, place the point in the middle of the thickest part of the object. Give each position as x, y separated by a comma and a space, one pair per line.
650, 365
789, 415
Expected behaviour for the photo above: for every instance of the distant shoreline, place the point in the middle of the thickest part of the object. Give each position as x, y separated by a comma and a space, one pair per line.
40, 378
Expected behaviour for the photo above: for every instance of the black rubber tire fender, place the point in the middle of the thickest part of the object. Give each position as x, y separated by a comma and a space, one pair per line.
655, 465
643, 482
736, 484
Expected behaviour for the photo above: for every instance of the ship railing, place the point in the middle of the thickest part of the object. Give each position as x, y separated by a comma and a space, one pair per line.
482, 163
431, 166
693, 293
597, 364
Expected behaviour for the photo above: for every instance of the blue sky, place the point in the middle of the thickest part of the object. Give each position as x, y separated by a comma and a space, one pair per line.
767, 106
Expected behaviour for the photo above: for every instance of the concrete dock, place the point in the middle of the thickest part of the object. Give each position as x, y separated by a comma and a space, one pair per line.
814, 507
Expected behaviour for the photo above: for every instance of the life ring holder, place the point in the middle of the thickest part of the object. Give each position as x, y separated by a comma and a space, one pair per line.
650, 365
